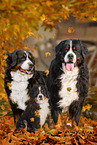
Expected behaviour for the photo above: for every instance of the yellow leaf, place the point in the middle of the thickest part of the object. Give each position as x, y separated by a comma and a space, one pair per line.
47, 54
88, 106
47, 72
32, 119
81, 129
84, 109
5, 56
43, 17
94, 18
69, 89
9, 84
71, 30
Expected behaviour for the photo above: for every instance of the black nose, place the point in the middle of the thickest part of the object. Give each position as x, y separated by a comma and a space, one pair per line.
40, 97
70, 55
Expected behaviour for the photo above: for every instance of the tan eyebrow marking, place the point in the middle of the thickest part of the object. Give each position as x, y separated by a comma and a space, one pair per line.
24, 55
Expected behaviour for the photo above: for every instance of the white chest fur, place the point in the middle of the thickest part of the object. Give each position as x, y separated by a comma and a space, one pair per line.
19, 88
44, 110
68, 91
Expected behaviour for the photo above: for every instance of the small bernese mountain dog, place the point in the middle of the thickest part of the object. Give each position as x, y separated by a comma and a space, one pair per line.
20, 77
68, 80
37, 111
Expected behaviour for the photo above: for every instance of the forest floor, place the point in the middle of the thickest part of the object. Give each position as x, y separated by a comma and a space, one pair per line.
87, 134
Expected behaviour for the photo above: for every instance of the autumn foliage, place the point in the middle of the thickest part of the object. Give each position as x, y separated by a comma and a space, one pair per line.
64, 135
20, 19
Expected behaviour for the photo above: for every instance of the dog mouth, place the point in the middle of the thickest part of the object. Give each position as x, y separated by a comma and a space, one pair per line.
70, 66
26, 71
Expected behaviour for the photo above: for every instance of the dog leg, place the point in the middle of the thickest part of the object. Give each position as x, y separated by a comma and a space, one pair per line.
74, 125
57, 126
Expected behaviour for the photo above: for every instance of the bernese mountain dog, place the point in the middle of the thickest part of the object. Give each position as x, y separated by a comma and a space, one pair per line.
20, 77
37, 112
68, 80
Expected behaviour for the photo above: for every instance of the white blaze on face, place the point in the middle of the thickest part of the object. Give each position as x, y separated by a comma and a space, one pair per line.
25, 64
40, 94
69, 65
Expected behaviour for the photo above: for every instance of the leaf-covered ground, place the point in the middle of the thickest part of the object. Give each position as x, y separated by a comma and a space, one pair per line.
87, 134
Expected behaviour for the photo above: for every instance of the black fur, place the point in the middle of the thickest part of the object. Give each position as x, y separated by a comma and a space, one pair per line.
14, 61
54, 84
32, 109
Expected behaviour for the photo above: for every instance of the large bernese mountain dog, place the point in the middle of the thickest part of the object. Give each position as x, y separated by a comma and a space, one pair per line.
19, 82
37, 112
68, 80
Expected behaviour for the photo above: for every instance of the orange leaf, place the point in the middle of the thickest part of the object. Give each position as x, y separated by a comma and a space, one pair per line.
32, 119
71, 30
47, 53
47, 72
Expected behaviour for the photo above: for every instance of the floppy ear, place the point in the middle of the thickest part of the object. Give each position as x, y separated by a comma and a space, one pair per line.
12, 59
84, 50
60, 46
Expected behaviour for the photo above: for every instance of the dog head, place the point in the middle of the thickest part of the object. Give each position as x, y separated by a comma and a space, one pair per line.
21, 60
39, 93
71, 52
